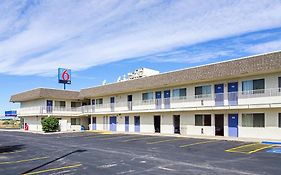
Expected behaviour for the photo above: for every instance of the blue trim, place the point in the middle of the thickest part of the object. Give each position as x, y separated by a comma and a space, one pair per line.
271, 143
274, 150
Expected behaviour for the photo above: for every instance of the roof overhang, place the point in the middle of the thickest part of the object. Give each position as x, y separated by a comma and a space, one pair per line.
42, 93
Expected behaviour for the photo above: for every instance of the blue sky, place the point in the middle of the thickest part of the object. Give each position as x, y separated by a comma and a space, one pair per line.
101, 40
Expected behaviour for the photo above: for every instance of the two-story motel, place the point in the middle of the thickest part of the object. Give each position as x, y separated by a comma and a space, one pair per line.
237, 98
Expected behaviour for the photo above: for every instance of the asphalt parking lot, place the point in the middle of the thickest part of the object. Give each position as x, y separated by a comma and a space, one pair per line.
105, 154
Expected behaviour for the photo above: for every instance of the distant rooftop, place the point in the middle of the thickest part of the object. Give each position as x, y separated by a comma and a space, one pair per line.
45, 93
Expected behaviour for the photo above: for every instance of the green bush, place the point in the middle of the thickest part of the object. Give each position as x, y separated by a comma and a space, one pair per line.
6, 122
50, 124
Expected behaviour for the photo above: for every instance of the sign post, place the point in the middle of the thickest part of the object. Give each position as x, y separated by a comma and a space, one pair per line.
64, 76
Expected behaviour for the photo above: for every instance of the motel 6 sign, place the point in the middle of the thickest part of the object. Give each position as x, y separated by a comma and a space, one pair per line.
64, 75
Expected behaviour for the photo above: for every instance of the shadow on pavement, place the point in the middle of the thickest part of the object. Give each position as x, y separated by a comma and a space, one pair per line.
47, 163
4, 149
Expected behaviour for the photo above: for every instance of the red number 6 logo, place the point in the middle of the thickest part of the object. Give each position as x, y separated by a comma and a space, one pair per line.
65, 76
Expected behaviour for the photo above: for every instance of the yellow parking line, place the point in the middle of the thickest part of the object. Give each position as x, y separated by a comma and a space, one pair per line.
97, 136
53, 169
161, 141
254, 147
138, 138
242, 146
12, 152
265, 147
21, 161
198, 143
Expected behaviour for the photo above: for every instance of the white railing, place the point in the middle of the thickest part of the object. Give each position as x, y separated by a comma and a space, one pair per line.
209, 100
49, 110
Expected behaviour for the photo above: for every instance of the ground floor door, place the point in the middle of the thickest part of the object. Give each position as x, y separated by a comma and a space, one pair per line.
63, 125
219, 124
127, 124
137, 123
21, 123
94, 124
112, 121
233, 125
157, 123
176, 124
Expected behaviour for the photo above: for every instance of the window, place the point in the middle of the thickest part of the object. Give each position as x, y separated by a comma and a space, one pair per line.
253, 86
203, 120
179, 93
99, 101
60, 103
93, 102
253, 120
75, 104
279, 119
147, 96
75, 121
202, 91
86, 102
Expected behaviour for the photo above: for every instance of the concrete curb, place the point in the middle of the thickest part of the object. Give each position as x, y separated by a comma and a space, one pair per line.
39, 132
269, 141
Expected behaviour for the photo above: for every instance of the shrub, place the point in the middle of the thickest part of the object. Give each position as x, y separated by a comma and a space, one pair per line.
50, 124
6, 122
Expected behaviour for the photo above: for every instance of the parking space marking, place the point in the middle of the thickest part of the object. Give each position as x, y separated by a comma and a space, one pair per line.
118, 137
22, 161
12, 152
97, 136
249, 148
161, 141
198, 143
53, 169
84, 135
138, 138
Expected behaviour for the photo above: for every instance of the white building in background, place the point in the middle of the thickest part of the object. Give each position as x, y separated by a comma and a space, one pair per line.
238, 98
142, 72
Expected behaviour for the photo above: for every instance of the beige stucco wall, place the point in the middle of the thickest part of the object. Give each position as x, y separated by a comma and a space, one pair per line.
187, 123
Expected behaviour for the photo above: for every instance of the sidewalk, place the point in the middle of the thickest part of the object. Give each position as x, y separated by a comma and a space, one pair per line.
260, 140
38, 132
208, 137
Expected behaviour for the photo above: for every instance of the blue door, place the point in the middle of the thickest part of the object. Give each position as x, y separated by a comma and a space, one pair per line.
233, 125
127, 124
219, 94
158, 97
233, 94
167, 95
94, 124
112, 122
49, 106
137, 123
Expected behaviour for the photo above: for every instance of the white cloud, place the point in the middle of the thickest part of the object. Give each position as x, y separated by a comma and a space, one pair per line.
265, 47
38, 38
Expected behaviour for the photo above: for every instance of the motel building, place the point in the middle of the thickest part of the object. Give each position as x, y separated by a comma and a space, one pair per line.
237, 98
